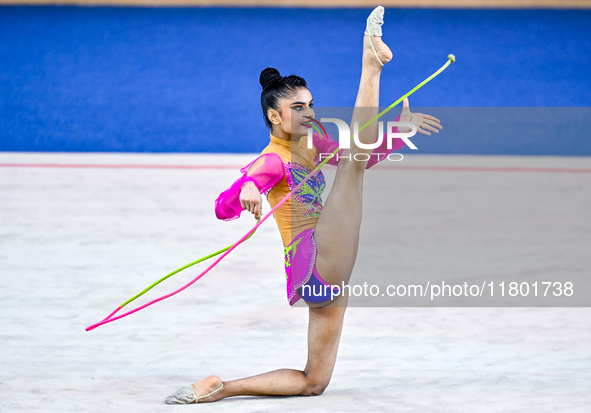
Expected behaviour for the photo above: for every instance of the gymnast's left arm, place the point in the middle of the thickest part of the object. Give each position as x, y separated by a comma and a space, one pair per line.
325, 145
420, 120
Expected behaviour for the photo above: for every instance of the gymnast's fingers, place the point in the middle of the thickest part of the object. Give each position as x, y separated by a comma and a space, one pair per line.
431, 128
432, 118
423, 132
431, 122
257, 210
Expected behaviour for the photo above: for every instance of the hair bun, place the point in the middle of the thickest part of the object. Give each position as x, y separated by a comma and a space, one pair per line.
268, 76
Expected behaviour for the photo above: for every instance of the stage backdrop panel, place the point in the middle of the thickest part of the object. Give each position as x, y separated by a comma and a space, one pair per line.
570, 4
187, 79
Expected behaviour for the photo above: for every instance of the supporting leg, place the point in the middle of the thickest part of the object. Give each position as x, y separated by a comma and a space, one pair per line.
324, 333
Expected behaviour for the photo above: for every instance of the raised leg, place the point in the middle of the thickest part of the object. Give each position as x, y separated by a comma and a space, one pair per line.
337, 230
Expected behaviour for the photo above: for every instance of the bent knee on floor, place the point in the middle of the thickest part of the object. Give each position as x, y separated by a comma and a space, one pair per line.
315, 388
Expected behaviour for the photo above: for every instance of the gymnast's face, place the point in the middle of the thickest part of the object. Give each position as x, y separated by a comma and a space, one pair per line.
293, 111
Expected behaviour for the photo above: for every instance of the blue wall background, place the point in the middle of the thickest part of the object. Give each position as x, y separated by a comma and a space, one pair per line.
186, 79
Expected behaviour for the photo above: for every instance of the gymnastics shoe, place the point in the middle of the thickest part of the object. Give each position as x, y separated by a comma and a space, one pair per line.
186, 395
374, 29
375, 21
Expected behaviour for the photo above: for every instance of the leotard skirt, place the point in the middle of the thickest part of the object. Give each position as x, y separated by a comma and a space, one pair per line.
303, 280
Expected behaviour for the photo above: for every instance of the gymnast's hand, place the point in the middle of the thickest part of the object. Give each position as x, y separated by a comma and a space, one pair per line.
419, 119
251, 199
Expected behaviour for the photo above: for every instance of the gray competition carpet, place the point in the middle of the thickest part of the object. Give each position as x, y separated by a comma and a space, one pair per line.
76, 242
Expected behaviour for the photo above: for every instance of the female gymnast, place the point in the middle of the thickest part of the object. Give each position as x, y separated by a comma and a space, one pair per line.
320, 242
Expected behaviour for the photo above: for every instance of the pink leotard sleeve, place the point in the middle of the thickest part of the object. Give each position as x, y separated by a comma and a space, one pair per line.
265, 176
326, 145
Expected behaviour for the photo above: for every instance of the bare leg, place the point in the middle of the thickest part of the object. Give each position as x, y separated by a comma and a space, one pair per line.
337, 238
324, 334
337, 230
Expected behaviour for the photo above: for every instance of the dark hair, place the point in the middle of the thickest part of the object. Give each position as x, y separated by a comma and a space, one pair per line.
276, 87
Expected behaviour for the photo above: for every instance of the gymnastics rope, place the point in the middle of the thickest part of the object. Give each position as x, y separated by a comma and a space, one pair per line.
450, 59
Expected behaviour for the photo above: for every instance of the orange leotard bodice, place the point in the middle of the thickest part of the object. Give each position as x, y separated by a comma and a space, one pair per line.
301, 210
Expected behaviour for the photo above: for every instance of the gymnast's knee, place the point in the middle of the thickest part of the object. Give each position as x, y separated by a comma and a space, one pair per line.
315, 387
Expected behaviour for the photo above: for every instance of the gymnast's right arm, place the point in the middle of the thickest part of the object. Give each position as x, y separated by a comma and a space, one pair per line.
245, 193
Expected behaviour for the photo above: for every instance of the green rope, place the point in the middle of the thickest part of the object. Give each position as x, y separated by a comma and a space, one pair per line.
182, 268
451, 58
